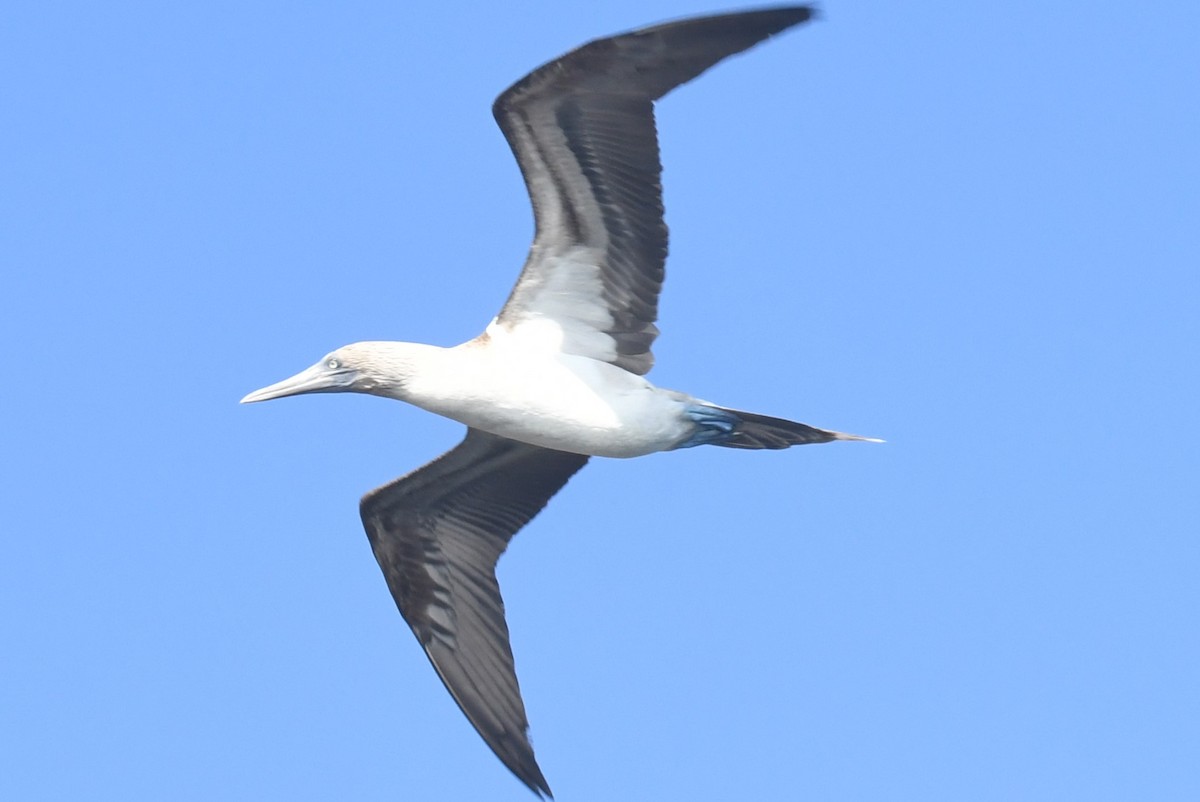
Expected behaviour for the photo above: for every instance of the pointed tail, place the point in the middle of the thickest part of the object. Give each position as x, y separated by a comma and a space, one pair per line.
733, 428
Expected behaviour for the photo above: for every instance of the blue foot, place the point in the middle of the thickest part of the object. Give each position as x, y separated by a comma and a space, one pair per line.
713, 425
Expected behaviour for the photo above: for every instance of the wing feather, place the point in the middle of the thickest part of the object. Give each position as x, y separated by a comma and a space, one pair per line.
582, 130
437, 534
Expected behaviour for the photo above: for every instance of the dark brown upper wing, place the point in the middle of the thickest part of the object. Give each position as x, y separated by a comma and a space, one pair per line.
437, 534
582, 130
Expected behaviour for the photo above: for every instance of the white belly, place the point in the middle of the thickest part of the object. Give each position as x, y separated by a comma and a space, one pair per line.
559, 401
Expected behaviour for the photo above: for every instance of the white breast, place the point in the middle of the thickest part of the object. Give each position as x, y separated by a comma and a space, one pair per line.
553, 400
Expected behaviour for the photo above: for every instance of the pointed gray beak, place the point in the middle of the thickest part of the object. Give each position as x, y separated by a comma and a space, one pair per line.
317, 379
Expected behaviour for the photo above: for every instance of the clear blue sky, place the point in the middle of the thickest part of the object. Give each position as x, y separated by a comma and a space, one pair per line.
970, 228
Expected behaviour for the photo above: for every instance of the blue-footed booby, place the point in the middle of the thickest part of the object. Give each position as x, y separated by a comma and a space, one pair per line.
558, 376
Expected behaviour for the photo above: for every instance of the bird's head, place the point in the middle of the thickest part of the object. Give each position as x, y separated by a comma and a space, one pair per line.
353, 368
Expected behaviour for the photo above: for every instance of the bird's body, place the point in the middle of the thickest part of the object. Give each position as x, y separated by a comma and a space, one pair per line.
554, 400
558, 376
550, 399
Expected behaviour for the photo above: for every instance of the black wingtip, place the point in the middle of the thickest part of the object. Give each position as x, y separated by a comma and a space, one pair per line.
769, 20
533, 778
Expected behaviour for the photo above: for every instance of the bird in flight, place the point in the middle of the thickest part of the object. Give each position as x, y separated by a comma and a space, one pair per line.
558, 376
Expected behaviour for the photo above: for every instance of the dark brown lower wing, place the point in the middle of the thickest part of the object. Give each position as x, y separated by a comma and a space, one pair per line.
437, 534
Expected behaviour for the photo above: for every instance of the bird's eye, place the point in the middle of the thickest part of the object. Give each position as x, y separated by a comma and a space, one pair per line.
333, 364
